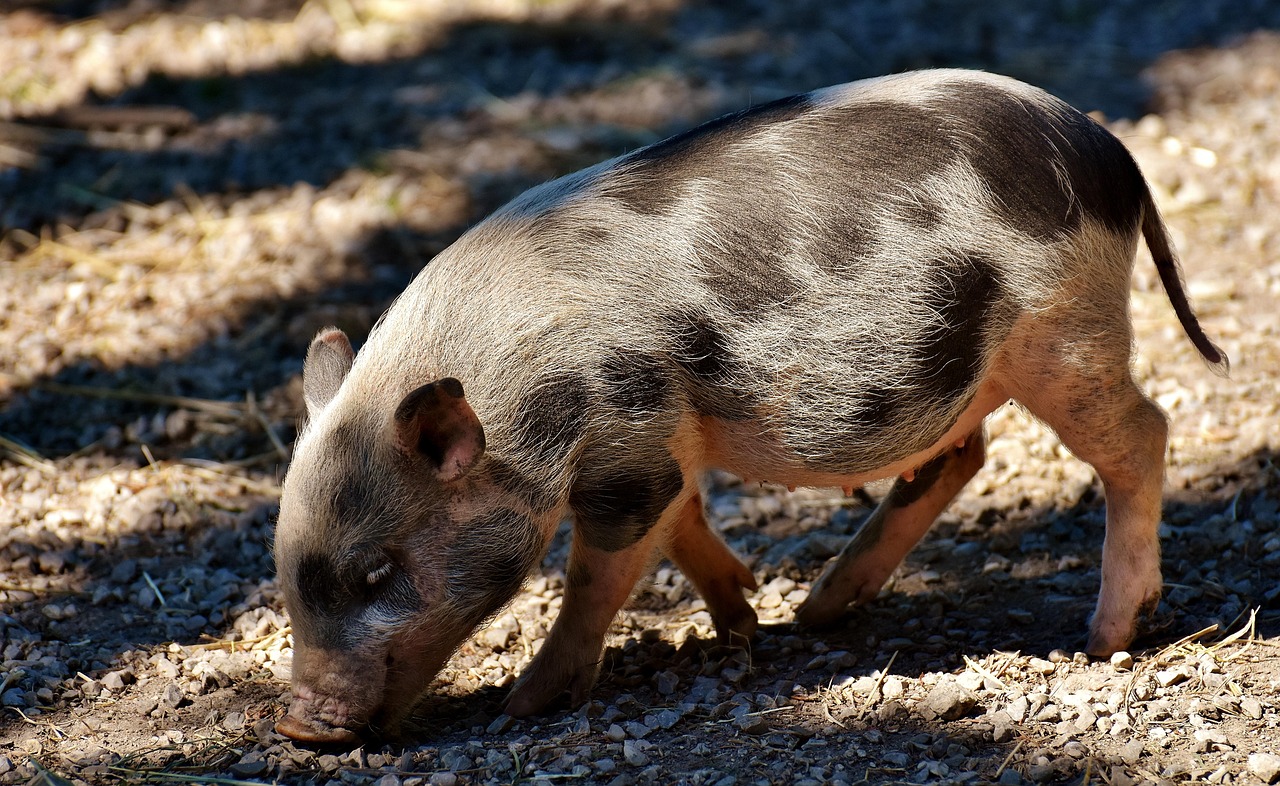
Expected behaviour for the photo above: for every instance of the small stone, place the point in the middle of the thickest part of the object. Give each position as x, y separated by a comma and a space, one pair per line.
500, 724
1168, 677
899, 759
633, 754
1265, 765
667, 682
113, 681
1132, 751
1086, 719
390, 779
1001, 727
752, 724
637, 730
1017, 709
14, 697
1041, 666
664, 719
250, 769
949, 701
173, 696
606, 765
1010, 777
1121, 661
1040, 772
443, 779
615, 733
234, 721
1251, 707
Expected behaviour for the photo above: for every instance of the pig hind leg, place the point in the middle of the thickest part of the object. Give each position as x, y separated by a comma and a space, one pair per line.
717, 574
1091, 400
892, 530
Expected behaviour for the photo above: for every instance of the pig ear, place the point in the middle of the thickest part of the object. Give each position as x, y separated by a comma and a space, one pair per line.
328, 360
436, 422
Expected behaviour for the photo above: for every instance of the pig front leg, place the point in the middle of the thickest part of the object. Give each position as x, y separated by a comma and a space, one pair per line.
600, 579
892, 530
717, 574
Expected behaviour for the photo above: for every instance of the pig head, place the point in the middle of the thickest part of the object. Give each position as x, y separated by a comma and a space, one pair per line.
379, 532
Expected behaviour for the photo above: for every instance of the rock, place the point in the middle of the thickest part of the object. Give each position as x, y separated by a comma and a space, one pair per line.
113, 681
1010, 777
615, 733
1001, 727
1251, 707
250, 769
948, 700
752, 723
1121, 661
1168, 677
1265, 765
173, 696
1132, 751
899, 759
390, 779
1085, 720
667, 682
632, 753
445, 778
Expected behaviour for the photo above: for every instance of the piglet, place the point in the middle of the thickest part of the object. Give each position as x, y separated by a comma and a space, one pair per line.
818, 291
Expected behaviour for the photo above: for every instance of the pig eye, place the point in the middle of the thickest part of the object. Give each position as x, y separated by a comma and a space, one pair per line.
378, 574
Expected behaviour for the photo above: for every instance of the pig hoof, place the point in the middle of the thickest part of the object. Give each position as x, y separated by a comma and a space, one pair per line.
814, 614
315, 733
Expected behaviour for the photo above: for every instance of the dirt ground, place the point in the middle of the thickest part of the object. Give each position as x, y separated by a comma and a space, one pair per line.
189, 189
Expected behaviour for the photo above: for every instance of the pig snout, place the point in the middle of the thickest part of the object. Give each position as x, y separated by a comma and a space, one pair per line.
335, 695
318, 721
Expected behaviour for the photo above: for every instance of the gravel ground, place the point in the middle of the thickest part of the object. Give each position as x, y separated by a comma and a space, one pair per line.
189, 189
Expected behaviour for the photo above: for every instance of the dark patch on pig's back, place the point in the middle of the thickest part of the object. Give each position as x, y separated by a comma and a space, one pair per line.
716, 380
615, 505
655, 175
1023, 152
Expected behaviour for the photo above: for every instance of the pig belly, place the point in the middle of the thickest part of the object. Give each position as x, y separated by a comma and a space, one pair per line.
742, 449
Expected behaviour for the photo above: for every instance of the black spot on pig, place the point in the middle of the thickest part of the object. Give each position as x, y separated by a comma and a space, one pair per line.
746, 259
965, 295
1045, 168
715, 378
903, 493
875, 147
844, 241
552, 416
614, 506
637, 383
528, 490
490, 560
655, 176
